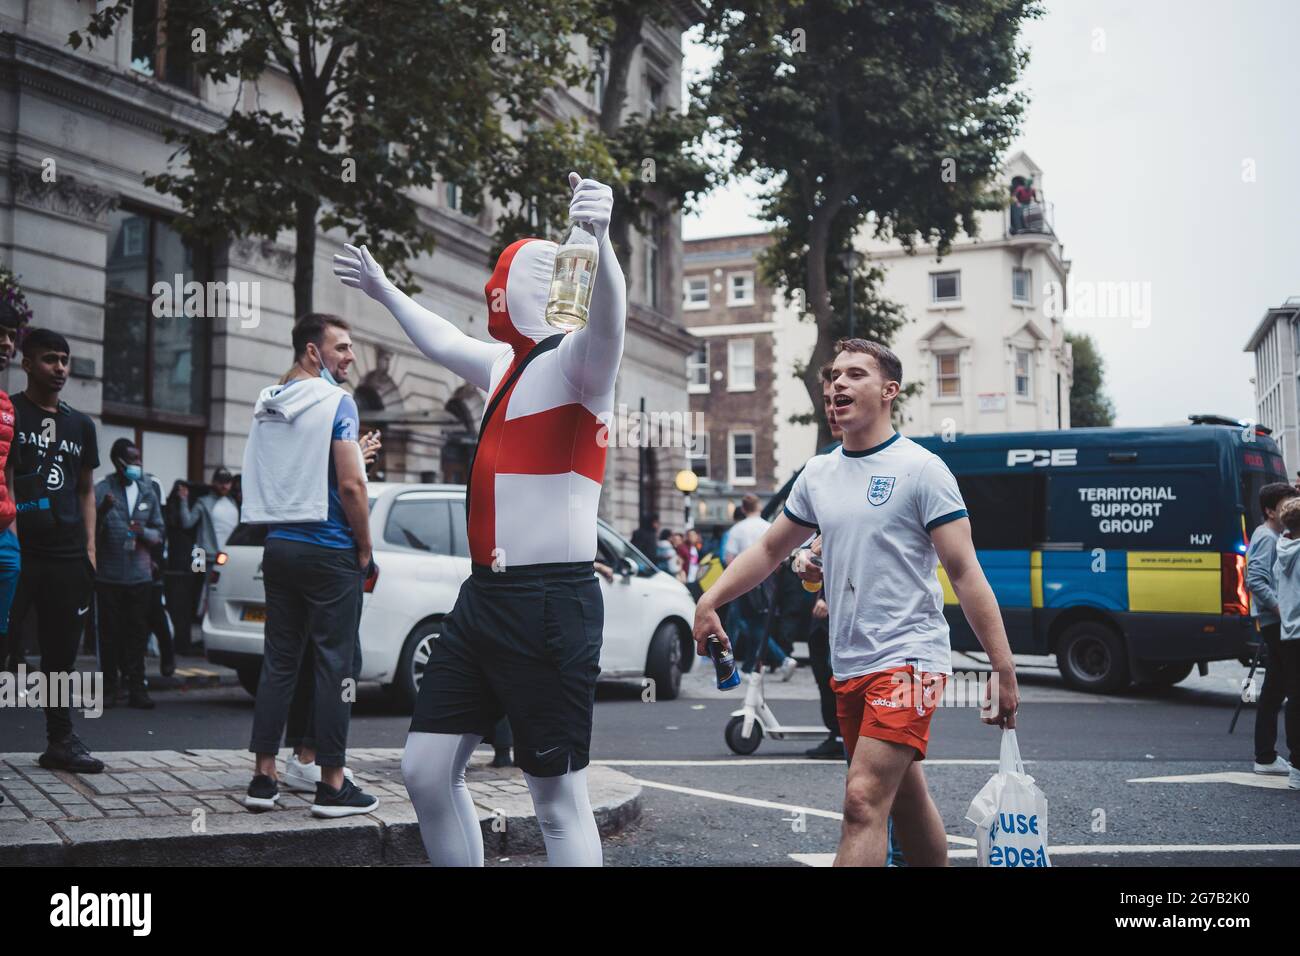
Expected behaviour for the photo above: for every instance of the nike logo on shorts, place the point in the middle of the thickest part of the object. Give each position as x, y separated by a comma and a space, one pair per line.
543, 753
82, 611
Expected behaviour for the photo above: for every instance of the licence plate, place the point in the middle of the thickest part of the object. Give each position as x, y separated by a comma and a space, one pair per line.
253, 612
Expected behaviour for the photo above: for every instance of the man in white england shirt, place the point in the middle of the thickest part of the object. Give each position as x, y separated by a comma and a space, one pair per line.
888, 511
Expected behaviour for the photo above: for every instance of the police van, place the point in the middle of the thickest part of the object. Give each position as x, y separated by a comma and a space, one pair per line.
1120, 550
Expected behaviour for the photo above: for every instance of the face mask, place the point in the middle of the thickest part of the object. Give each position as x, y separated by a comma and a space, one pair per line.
325, 374
134, 472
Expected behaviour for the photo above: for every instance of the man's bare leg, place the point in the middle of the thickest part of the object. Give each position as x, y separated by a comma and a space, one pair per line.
918, 828
877, 770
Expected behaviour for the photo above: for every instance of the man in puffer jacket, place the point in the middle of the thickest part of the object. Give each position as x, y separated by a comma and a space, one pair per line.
1286, 574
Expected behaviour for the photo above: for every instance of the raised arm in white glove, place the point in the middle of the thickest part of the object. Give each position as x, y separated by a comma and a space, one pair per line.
468, 357
590, 356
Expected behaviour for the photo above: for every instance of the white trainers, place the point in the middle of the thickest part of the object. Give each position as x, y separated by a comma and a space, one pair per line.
303, 777
1293, 781
1279, 767
787, 668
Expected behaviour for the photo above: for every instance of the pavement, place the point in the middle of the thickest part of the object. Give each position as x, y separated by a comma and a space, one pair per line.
181, 808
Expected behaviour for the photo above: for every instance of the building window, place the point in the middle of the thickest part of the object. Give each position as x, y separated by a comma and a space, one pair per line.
654, 93
945, 287
695, 291
155, 363
1020, 285
453, 196
652, 263
740, 288
598, 69
742, 458
153, 54
698, 453
1024, 382
697, 369
740, 365
947, 374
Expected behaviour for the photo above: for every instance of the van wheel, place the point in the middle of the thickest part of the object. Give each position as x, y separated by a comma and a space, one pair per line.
664, 662
1093, 658
410, 665
1163, 673
249, 677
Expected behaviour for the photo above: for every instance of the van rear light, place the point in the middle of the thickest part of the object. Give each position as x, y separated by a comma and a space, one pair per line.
213, 577
1233, 580
372, 579
222, 558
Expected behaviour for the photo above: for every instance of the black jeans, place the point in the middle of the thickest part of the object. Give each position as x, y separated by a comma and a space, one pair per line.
1271, 696
1290, 654
313, 596
301, 730
123, 627
59, 590
819, 652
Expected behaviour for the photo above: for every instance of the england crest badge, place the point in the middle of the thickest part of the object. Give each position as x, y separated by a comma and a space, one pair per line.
880, 489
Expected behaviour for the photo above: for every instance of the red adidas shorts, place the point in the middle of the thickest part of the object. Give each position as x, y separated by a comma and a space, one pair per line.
893, 705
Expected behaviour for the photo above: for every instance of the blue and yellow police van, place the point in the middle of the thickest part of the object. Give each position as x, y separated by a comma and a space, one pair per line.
1119, 550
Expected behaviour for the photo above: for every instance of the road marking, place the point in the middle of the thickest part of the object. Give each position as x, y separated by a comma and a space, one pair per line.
825, 859
776, 761
764, 804
1240, 777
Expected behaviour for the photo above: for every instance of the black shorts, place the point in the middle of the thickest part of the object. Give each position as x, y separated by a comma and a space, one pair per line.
524, 642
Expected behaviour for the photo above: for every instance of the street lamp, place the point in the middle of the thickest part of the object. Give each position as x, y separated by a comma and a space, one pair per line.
687, 481
851, 260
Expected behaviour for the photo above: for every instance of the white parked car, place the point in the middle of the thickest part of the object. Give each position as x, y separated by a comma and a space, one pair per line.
422, 553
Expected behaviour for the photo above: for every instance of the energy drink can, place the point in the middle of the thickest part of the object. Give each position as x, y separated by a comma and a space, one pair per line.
724, 664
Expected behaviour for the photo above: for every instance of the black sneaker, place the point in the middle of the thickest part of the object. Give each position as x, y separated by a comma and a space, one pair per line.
346, 801
140, 700
263, 793
70, 754
502, 759
832, 748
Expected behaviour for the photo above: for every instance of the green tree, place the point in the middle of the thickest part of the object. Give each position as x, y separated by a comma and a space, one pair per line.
390, 96
1089, 404
864, 114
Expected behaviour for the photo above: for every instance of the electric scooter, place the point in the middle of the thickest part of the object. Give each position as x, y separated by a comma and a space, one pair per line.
753, 721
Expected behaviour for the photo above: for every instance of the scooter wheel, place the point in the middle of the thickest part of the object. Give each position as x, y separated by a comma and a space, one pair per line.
736, 739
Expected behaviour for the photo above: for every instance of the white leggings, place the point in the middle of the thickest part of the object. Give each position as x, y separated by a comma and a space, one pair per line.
433, 766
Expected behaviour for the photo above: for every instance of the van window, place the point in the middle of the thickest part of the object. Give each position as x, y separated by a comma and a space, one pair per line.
1006, 511
459, 535
423, 524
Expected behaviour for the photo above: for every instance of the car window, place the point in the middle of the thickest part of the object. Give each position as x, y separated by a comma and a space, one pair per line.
610, 549
422, 524
459, 536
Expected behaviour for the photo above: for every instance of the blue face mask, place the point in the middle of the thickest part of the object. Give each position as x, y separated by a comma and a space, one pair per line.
325, 374
134, 472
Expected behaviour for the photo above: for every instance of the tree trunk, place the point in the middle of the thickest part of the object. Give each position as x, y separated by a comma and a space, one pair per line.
628, 22
304, 264
819, 300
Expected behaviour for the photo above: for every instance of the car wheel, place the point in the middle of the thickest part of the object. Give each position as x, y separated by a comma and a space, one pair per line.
249, 678
1092, 657
1163, 673
736, 739
410, 664
664, 662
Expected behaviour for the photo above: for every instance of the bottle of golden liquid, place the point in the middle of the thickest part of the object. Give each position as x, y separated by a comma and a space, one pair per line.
571, 282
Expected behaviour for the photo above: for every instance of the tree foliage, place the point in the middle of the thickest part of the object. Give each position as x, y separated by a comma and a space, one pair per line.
1089, 405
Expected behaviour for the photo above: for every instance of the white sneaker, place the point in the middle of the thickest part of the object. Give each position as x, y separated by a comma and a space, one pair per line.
787, 668
303, 777
1278, 767
1293, 781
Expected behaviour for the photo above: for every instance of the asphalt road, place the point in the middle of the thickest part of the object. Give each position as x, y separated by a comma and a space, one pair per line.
1149, 778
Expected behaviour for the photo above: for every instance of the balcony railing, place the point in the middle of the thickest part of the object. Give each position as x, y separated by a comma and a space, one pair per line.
1035, 218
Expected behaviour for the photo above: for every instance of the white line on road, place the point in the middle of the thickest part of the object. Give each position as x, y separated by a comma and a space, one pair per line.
773, 761
764, 804
1267, 781
825, 859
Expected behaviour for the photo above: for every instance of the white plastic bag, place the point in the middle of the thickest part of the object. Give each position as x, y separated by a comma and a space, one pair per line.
1010, 814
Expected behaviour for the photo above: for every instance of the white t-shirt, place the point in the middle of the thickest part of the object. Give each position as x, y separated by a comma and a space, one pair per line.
743, 534
875, 509
224, 518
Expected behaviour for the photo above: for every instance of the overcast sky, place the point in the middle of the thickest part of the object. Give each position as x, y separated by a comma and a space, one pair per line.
1145, 145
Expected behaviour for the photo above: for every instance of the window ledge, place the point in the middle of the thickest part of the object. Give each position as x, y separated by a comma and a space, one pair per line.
697, 389
742, 388
944, 306
947, 401
695, 307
